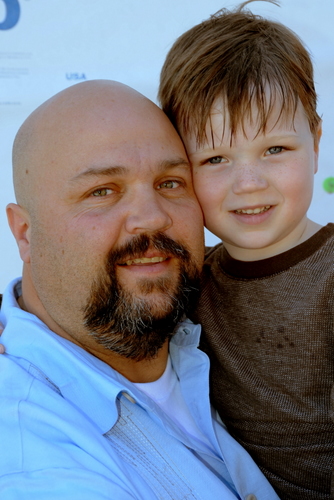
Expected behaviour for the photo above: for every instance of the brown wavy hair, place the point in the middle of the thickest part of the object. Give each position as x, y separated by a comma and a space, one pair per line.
237, 56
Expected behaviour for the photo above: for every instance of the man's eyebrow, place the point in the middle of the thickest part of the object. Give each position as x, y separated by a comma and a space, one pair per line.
178, 162
121, 170
100, 172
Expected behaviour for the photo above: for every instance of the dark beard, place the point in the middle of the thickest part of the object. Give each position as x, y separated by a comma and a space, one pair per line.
128, 325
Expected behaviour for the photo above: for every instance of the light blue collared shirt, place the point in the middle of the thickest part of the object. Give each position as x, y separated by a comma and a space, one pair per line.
74, 428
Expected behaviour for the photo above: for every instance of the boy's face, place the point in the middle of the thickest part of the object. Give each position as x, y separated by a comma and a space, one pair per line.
256, 191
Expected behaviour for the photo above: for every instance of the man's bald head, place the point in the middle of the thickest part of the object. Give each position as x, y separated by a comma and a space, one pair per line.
50, 126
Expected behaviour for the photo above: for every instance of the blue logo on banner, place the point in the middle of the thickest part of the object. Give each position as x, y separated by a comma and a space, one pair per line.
76, 76
12, 14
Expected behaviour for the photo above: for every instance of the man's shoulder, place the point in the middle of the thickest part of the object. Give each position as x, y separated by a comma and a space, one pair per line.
28, 396
21, 381
15, 380
23, 402
47, 439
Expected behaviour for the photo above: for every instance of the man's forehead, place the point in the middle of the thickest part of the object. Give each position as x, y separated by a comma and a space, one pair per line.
97, 124
123, 170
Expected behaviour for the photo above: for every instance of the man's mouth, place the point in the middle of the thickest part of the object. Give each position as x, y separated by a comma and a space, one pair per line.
253, 211
143, 260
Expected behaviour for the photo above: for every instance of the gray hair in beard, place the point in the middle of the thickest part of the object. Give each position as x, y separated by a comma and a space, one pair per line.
128, 325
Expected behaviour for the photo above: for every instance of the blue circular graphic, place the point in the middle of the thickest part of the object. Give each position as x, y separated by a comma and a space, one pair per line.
12, 14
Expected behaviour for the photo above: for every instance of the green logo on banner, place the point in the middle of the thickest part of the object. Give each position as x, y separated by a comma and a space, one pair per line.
328, 185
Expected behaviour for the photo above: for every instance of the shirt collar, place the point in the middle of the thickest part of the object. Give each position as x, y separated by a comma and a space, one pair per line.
83, 379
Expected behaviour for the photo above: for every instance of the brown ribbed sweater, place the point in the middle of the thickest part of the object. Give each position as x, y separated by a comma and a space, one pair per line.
268, 329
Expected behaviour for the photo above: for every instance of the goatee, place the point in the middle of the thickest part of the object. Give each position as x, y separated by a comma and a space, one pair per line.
135, 327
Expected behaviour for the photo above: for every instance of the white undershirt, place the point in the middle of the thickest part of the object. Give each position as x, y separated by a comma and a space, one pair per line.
166, 393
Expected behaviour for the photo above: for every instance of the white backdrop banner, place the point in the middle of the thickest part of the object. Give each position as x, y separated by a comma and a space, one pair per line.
47, 45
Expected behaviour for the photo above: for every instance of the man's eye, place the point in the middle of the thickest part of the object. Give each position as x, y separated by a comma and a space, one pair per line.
169, 185
274, 150
101, 192
216, 159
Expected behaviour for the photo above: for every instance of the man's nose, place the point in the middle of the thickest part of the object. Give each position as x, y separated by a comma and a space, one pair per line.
148, 214
249, 179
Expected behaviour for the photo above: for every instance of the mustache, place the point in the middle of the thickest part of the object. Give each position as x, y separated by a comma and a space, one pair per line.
138, 245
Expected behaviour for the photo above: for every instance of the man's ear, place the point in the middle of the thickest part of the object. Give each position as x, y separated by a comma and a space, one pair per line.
19, 223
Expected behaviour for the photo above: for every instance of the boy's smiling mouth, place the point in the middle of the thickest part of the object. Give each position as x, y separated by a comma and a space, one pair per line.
253, 211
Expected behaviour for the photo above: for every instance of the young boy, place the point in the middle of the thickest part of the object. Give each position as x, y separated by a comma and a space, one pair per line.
240, 91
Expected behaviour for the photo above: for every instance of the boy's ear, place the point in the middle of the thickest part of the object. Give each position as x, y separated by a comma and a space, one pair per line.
19, 223
317, 138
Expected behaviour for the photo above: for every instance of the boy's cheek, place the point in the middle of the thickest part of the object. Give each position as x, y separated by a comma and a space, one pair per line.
207, 190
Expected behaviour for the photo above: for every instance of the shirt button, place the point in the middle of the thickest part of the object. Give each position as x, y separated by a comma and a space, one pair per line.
251, 497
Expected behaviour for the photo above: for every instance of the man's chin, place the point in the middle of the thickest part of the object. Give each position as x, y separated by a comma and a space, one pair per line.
152, 289
158, 304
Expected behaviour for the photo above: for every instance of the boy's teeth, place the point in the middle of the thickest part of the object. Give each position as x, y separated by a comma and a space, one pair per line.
144, 260
251, 211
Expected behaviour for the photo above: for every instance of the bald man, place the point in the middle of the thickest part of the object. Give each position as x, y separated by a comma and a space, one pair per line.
103, 397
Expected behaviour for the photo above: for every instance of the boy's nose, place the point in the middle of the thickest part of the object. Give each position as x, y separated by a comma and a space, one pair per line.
249, 180
147, 214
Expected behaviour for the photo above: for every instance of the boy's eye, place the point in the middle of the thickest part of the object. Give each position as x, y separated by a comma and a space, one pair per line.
216, 159
274, 150
102, 192
169, 185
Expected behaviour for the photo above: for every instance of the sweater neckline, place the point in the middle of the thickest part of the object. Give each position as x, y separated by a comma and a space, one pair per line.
277, 263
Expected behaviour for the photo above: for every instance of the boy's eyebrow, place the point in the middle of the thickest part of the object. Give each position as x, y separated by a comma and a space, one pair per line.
122, 170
